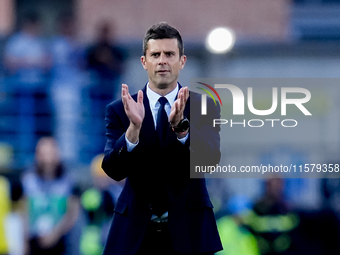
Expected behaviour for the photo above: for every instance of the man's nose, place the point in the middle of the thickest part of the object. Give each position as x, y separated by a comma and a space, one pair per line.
162, 59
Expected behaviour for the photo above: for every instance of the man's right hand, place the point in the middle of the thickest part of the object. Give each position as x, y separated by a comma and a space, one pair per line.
135, 112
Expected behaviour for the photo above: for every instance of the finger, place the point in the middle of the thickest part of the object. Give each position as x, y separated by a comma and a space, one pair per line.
181, 92
125, 103
124, 96
180, 95
140, 97
174, 107
178, 106
186, 93
129, 96
123, 90
180, 99
183, 98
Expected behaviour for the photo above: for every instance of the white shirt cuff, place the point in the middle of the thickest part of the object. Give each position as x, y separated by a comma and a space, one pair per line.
184, 139
129, 145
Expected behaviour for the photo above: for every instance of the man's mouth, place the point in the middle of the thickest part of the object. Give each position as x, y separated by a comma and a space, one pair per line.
162, 71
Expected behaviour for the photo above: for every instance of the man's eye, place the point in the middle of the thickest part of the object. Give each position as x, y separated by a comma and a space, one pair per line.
155, 54
169, 54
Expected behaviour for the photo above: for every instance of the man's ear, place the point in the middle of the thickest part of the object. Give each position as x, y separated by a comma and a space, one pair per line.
183, 60
143, 61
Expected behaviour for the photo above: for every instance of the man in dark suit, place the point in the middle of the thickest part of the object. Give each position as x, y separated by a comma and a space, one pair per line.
161, 210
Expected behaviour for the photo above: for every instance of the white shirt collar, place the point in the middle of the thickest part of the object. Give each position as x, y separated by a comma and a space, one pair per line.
153, 96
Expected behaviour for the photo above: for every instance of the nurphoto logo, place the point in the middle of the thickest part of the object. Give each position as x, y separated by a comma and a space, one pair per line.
238, 98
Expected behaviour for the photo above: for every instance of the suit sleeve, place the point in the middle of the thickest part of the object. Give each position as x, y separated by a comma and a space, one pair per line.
117, 159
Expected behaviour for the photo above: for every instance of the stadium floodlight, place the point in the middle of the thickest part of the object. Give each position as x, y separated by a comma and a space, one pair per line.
220, 40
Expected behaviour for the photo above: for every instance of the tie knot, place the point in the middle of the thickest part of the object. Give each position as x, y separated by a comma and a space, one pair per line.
162, 100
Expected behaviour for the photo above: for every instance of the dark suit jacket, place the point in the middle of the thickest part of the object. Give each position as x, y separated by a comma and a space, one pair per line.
150, 168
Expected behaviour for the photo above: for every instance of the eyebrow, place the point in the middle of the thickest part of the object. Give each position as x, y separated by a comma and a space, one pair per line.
159, 51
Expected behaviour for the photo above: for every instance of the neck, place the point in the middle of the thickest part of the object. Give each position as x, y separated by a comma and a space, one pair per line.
162, 90
48, 171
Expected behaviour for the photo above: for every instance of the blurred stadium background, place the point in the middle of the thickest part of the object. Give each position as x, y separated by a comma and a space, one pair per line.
274, 39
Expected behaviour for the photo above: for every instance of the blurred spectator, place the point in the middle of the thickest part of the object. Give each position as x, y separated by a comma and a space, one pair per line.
219, 194
326, 222
14, 221
101, 180
5, 208
271, 221
105, 64
331, 194
26, 56
236, 239
66, 88
52, 205
27, 63
98, 203
11, 222
105, 61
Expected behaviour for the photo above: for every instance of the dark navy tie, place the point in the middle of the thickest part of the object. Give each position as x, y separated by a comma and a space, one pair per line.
162, 120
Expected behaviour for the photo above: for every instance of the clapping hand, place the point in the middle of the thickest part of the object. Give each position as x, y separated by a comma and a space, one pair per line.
177, 109
135, 112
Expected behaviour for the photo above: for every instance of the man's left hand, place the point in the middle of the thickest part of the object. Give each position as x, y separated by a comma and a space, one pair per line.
177, 109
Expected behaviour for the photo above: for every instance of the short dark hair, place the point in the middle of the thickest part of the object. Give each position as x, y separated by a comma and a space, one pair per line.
163, 30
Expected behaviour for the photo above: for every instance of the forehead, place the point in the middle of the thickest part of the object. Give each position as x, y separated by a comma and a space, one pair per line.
162, 45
